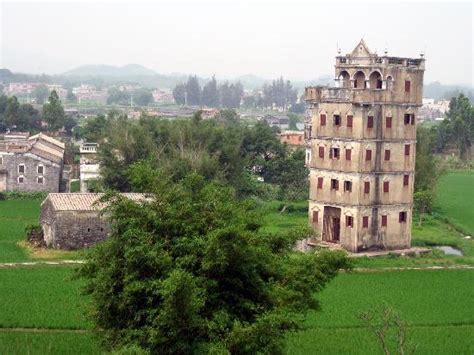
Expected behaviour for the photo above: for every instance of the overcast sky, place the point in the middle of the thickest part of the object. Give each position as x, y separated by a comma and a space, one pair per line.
296, 40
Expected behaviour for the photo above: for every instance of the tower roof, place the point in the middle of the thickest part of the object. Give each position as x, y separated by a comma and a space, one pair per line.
361, 50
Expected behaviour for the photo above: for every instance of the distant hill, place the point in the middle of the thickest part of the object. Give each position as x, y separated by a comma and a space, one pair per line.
129, 70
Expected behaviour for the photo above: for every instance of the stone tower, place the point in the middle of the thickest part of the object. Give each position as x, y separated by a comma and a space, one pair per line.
362, 134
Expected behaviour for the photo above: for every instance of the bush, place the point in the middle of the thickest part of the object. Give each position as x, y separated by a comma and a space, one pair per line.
34, 235
20, 195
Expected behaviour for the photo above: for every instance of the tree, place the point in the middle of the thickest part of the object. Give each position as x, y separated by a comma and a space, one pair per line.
70, 96
53, 112
12, 112
179, 94
428, 169
423, 202
460, 119
193, 91
210, 95
188, 271
41, 93
29, 118
118, 97
389, 329
142, 97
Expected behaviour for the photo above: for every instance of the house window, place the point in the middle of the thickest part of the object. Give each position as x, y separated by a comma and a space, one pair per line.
366, 187
402, 217
407, 149
365, 222
40, 169
370, 122
300, 138
388, 122
21, 179
368, 154
349, 221
348, 186
387, 154
40, 180
315, 217
21, 169
407, 85
335, 153
349, 121
334, 184
320, 182
322, 120
321, 152
337, 120
348, 154
406, 179
386, 186
384, 220
1, 160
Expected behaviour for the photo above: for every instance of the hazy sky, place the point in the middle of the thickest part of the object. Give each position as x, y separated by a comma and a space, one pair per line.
296, 40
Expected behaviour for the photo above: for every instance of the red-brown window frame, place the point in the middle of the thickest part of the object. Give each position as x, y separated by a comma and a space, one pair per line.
366, 187
335, 184
348, 154
370, 121
388, 122
316, 217
387, 155
407, 149
407, 85
365, 222
320, 182
322, 119
406, 180
321, 152
384, 220
386, 186
349, 221
349, 121
368, 154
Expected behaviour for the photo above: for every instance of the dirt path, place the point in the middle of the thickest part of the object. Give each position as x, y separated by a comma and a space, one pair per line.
40, 263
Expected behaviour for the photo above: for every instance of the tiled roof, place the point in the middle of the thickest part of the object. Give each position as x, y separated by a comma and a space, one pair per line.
85, 201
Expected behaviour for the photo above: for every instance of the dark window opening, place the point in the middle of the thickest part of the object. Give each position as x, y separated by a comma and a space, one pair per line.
315, 217
321, 152
370, 122
349, 121
88, 229
406, 179
388, 122
21, 180
335, 153
348, 186
337, 120
40, 180
409, 118
348, 154
402, 217
349, 221
365, 222
366, 187
387, 154
368, 155
320, 182
379, 84
322, 120
40, 169
386, 186
21, 169
384, 220
334, 184
407, 149
407, 85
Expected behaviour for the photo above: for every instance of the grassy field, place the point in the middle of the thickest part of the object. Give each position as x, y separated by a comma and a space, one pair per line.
456, 199
15, 215
436, 304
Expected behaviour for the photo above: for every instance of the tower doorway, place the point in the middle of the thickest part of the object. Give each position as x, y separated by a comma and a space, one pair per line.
332, 224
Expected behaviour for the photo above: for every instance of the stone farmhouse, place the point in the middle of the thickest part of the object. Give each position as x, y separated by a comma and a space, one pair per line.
362, 135
74, 220
30, 163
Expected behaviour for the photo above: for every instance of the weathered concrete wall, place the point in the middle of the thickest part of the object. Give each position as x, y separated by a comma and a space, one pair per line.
51, 173
72, 229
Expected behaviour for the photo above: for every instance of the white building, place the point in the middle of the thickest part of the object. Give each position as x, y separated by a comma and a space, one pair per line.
89, 167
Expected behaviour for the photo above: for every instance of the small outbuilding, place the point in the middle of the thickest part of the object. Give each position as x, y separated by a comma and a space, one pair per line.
74, 220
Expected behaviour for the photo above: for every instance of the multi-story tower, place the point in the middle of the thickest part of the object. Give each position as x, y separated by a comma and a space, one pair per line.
362, 135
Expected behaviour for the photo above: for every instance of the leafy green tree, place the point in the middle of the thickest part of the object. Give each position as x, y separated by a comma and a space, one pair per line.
461, 121
41, 93
292, 121
53, 112
210, 95
193, 91
142, 97
428, 169
231, 94
12, 112
71, 98
29, 118
423, 203
189, 271
179, 94
118, 97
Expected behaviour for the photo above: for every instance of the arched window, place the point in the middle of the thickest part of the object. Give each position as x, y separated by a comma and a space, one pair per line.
359, 80
344, 79
375, 80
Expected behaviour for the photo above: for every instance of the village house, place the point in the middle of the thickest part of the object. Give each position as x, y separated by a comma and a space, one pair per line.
362, 135
293, 138
30, 164
74, 220
89, 168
